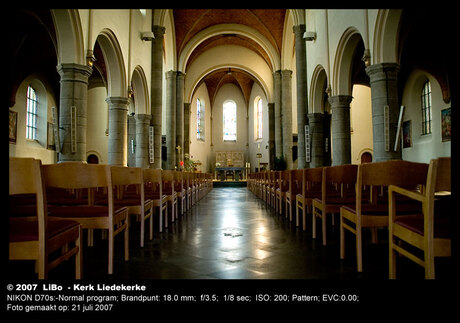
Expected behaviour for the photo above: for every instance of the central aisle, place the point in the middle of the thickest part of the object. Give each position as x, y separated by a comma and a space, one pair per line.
229, 234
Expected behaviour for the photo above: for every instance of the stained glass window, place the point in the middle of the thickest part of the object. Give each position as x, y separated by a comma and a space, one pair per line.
259, 122
200, 121
426, 108
31, 121
229, 124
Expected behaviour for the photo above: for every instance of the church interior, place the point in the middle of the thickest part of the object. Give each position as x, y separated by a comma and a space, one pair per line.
230, 144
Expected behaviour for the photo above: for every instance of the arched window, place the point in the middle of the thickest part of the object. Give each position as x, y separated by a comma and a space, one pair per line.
200, 121
426, 108
229, 124
32, 112
259, 115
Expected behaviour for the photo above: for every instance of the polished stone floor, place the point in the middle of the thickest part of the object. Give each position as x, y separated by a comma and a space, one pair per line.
231, 234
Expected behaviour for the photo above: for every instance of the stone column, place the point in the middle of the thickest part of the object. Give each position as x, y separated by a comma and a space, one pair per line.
170, 120
118, 130
271, 135
278, 131
180, 116
384, 92
316, 122
187, 128
286, 112
142, 140
301, 82
157, 91
341, 137
73, 92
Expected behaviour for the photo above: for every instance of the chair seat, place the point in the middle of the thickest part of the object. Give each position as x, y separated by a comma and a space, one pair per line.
382, 209
26, 229
83, 211
130, 201
415, 224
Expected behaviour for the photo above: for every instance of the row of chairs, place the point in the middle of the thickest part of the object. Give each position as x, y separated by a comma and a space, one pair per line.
412, 200
50, 205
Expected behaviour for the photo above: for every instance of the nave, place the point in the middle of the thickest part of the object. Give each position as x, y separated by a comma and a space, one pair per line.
232, 234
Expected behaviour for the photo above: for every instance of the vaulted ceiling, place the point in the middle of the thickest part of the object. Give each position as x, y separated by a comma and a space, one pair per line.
268, 22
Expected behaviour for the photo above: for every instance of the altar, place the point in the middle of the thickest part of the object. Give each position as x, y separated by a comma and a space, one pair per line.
230, 164
237, 173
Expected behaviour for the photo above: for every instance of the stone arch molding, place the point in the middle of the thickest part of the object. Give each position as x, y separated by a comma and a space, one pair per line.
113, 56
140, 89
229, 29
69, 35
341, 79
385, 46
316, 96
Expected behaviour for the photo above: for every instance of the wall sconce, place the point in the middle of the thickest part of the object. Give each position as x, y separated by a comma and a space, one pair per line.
147, 36
90, 58
309, 36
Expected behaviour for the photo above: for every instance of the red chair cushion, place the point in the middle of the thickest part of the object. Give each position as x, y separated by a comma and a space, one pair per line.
82, 211
26, 229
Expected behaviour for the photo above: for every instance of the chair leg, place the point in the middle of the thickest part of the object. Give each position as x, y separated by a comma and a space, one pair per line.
359, 249
323, 226
110, 242
392, 260
342, 237
127, 239
79, 255
313, 224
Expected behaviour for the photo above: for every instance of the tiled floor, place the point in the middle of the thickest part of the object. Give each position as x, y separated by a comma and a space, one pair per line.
231, 234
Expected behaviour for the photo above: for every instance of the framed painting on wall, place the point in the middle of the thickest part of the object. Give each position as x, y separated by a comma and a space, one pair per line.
445, 125
13, 126
407, 134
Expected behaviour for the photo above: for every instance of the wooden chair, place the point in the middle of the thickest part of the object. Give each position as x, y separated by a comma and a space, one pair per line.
168, 189
283, 186
110, 217
428, 231
337, 189
129, 182
179, 188
34, 235
371, 210
311, 189
295, 187
154, 191
188, 190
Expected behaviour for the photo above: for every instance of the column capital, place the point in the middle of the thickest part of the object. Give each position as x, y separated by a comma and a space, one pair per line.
299, 29
143, 118
285, 73
342, 101
171, 74
383, 71
74, 72
158, 31
117, 102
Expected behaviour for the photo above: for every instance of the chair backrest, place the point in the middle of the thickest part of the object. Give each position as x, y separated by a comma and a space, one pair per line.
392, 172
343, 174
295, 180
312, 178
168, 179
284, 180
74, 175
152, 178
439, 175
26, 178
122, 175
